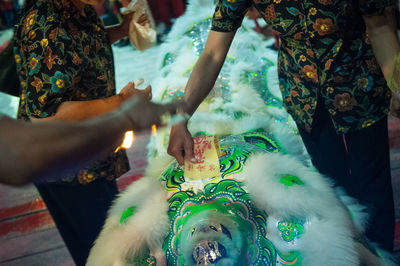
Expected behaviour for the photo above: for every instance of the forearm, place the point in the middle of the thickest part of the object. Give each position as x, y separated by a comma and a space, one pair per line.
38, 150
201, 82
384, 40
207, 68
115, 33
82, 110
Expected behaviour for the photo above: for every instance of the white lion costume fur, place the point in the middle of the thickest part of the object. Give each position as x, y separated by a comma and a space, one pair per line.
329, 237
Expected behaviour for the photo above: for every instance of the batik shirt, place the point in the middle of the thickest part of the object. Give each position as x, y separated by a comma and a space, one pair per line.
324, 54
63, 55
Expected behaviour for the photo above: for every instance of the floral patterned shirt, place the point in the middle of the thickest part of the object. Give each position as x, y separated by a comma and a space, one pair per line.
324, 54
62, 55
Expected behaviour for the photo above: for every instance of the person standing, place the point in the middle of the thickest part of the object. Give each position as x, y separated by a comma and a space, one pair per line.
333, 60
66, 71
165, 10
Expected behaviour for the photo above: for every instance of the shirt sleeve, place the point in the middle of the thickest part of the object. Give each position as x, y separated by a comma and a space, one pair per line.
229, 14
50, 67
371, 7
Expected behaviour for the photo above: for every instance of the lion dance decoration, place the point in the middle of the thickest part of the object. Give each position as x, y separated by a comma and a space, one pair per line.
267, 205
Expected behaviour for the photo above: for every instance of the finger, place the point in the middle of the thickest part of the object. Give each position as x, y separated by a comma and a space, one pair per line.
130, 85
177, 153
179, 158
128, 13
143, 19
189, 150
148, 93
138, 82
171, 108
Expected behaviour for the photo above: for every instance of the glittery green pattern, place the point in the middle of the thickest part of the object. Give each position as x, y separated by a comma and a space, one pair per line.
236, 150
232, 161
229, 202
220, 213
259, 81
173, 177
262, 141
291, 230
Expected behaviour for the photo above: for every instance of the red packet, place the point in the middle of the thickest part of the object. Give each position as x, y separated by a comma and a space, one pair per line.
207, 151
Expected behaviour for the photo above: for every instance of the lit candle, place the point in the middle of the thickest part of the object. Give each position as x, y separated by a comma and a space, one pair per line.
128, 141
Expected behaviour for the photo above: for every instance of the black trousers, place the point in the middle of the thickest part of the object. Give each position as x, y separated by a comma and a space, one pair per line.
79, 212
359, 162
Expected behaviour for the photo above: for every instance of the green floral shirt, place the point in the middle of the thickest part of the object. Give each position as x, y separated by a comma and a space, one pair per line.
324, 54
62, 55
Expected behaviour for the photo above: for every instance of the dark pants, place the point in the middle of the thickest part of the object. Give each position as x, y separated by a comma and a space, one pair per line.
359, 162
79, 212
9, 18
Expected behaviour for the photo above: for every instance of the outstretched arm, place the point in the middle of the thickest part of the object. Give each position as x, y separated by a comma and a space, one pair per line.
200, 83
207, 68
82, 110
30, 151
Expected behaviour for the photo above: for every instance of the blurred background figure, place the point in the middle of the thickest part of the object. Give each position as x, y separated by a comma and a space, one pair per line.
261, 27
8, 12
164, 11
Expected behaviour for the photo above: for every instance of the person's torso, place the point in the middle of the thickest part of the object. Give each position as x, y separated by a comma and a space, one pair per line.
84, 59
324, 50
83, 42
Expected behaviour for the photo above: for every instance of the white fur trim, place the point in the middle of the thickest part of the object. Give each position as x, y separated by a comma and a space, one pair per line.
328, 238
146, 228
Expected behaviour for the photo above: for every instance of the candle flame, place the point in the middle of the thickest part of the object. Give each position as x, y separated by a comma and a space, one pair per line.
128, 141
154, 130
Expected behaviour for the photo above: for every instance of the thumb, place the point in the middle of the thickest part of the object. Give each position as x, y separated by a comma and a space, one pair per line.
130, 85
171, 107
148, 92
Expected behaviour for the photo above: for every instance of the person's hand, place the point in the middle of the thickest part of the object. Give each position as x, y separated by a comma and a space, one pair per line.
142, 113
129, 90
395, 104
181, 144
143, 20
124, 26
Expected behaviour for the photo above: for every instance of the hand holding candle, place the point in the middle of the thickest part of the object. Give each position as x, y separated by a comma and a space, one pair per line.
143, 114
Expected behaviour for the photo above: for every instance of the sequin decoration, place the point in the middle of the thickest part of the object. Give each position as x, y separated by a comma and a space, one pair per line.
291, 230
173, 94
199, 34
259, 81
169, 58
221, 87
151, 261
